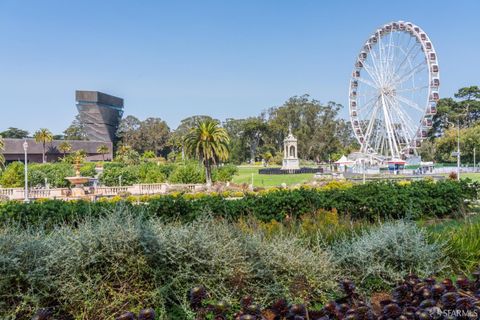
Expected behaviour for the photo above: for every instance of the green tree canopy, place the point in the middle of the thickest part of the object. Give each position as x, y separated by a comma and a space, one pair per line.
65, 147
43, 136
76, 130
14, 133
208, 142
151, 134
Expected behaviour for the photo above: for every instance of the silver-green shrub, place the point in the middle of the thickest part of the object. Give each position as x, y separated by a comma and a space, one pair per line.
384, 255
126, 262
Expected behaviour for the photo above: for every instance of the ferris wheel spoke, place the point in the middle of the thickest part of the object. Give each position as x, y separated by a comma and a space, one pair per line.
410, 103
395, 125
410, 58
406, 128
406, 53
374, 60
412, 89
371, 124
418, 68
406, 119
388, 126
406, 58
389, 57
375, 77
368, 83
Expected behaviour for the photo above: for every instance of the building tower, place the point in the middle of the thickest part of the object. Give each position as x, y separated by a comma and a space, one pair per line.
290, 157
100, 113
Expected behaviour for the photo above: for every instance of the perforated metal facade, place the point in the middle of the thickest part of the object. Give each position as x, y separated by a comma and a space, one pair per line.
100, 113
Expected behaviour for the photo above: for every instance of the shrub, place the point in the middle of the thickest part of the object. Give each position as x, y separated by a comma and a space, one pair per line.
188, 172
124, 261
372, 202
386, 254
462, 244
224, 173
13, 175
55, 174
114, 170
151, 173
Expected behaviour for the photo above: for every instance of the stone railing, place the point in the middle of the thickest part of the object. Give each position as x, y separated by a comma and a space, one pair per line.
137, 189
12, 193
111, 191
48, 193
19, 193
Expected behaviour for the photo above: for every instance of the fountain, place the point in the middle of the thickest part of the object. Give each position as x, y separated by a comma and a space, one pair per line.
78, 181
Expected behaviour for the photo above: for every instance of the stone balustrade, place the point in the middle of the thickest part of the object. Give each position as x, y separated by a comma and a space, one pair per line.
137, 189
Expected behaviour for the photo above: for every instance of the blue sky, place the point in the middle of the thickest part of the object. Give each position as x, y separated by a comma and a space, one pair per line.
222, 58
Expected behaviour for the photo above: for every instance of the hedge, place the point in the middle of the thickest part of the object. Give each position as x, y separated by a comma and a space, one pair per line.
374, 200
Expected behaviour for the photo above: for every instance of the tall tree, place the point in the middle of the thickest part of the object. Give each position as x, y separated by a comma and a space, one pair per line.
43, 136
209, 143
177, 137
151, 134
65, 147
76, 130
128, 131
103, 150
469, 140
469, 104
14, 133
314, 124
253, 131
154, 134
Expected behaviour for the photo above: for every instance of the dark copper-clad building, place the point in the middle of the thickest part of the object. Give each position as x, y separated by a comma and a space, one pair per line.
99, 112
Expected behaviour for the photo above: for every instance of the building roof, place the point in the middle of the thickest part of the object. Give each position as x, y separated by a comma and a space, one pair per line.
15, 146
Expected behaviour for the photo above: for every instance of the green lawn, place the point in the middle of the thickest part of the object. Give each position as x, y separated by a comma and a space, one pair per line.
473, 176
269, 180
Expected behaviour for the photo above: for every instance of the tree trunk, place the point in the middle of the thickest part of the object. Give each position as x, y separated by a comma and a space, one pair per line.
208, 173
43, 155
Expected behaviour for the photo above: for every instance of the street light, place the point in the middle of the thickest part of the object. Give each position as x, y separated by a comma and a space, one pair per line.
457, 154
25, 148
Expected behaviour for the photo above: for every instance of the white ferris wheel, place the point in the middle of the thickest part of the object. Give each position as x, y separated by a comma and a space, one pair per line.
394, 91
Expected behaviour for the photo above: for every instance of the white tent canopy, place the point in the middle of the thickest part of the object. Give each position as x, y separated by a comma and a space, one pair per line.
344, 161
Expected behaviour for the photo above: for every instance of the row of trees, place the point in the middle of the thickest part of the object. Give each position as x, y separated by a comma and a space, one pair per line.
320, 133
458, 116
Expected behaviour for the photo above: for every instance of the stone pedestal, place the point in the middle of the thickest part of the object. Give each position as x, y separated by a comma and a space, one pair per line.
78, 192
290, 156
289, 164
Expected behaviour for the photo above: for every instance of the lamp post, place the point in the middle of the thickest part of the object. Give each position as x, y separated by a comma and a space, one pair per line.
474, 163
25, 148
458, 150
457, 154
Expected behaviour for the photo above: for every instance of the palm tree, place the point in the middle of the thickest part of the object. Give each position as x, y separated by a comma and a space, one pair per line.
65, 147
103, 150
209, 143
2, 148
43, 136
